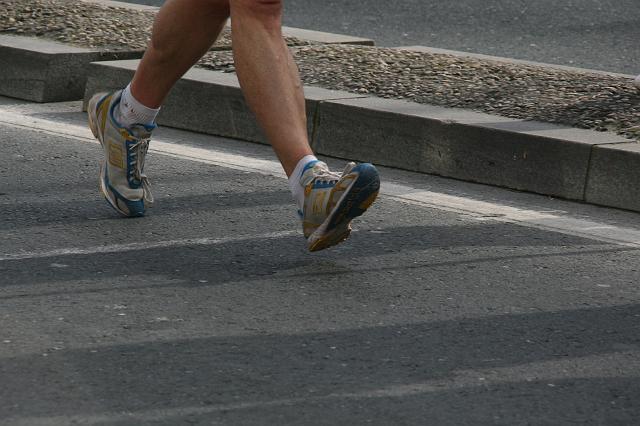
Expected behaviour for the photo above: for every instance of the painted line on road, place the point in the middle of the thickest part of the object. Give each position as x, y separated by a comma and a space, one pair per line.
23, 116
545, 374
122, 248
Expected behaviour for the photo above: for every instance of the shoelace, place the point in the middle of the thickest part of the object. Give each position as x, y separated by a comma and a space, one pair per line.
138, 153
321, 173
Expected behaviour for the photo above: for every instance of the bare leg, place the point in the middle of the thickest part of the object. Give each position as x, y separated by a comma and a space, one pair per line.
183, 31
269, 78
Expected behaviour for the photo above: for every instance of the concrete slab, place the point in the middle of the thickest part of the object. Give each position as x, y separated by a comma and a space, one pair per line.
614, 176
204, 101
44, 71
537, 157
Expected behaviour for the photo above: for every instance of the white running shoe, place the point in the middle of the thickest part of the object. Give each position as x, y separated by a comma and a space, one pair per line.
333, 200
122, 178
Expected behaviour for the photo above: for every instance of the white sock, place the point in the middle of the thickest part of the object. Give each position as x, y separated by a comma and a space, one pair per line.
297, 190
131, 111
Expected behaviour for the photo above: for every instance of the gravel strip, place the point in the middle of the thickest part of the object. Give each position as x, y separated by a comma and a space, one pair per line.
583, 100
77, 23
88, 24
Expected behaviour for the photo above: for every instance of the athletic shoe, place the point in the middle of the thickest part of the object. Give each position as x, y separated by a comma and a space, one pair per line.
333, 200
122, 178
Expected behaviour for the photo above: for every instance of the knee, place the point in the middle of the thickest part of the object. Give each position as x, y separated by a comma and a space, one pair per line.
267, 11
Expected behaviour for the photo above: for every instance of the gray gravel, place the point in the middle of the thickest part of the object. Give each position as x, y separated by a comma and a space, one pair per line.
88, 24
77, 23
584, 100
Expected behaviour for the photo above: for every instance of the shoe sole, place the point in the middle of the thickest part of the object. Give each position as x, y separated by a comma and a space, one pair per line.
356, 200
112, 199
91, 107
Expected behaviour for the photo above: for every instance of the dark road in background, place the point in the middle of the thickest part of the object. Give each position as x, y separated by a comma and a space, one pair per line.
597, 34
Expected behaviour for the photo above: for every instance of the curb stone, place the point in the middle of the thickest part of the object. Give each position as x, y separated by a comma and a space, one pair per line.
40, 70
536, 157
45, 71
203, 101
614, 176
531, 156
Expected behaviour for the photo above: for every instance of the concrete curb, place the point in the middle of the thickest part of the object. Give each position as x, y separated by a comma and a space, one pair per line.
614, 176
599, 168
204, 101
45, 71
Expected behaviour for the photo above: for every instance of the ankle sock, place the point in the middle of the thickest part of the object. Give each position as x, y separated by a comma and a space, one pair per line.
297, 190
131, 111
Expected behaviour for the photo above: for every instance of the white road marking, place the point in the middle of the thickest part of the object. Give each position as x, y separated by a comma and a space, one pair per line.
621, 365
21, 116
122, 248
537, 219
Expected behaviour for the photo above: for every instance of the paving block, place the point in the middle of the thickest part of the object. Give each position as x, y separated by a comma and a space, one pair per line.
523, 155
203, 101
614, 176
107, 76
44, 71
353, 130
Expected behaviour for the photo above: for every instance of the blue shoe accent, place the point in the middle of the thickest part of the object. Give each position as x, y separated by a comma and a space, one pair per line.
101, 101
121, 204
323, 185
309, 165
353, 192
355, 203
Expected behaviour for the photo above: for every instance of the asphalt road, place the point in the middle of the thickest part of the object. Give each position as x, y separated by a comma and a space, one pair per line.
597, 34
210, 311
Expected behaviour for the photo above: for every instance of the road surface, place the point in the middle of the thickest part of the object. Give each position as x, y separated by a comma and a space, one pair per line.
451, 304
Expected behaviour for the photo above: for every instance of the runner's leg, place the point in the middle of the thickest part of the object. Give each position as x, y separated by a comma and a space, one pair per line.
183, 31
123, 120
269, 78
270, 82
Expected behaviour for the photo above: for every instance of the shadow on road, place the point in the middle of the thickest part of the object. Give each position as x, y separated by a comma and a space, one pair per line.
304, 371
